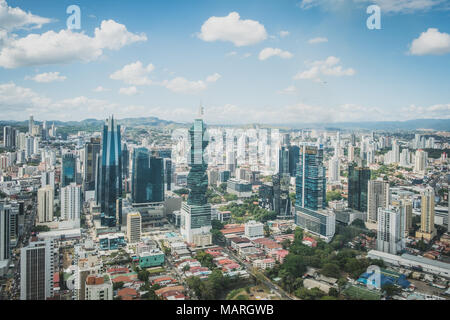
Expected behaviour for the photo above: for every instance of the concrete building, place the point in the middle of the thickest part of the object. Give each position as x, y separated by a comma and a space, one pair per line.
420, 161
98, 288
134, 227
71, 202
254, 229
390, 236
36, 271
45, 199
427, 230
5, 214
378, 196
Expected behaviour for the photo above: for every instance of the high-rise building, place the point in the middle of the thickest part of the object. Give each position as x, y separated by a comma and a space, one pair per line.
45, 198
196, 212
420, 163
311, 178
71, 202
311, 194
390, 236
147, 177
5, 214
91, 150
294, 158
125, 161
358, 179
378, 196
48, 179
134, 227
427, 230
351, 153
283, 160
30, 125
69, 169
334, 169
9, 137
36, 271
405, 206
109, 180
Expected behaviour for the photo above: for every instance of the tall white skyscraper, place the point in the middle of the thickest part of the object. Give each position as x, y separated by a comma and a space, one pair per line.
420, 161
427, 229
395, 152
333, 169
45, 204
377, 197
36, 270
390, 236
71, 202
351, 153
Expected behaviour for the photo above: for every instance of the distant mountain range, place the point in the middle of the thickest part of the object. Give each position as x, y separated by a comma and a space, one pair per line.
435, 124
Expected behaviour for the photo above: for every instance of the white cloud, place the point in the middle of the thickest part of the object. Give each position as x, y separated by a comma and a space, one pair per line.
437, 111
47, 77
213, 78
65, 46
232, 28
100, 89
182, 85
16, 18
284, 33
134, 74
387, 6
130, 91
271, 52
246, 55
231, 54
317, 40
288, 90
431, 42
329, 67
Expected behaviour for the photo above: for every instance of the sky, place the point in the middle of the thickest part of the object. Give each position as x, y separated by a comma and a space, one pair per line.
253, 61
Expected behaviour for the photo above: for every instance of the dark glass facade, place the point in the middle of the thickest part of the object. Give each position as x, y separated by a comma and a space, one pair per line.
358, 179
147, 177
110, 173
294, 158
311, 179
91, 150
69, 169
197, 180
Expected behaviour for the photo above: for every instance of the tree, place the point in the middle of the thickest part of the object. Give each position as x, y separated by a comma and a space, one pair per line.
118, 285
331, 270
333, 292
359, 223
286, 243
143, 275
266, 230
390, 289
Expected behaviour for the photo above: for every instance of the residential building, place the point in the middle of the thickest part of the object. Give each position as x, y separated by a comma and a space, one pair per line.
45, 198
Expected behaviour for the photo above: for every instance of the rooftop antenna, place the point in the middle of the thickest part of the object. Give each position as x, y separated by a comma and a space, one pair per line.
201, 111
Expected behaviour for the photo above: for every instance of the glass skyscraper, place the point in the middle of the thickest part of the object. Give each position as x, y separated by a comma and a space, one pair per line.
294, 158
109, 184
69, 169
311, 179
91, 150
358, 180
147, 177
195, 223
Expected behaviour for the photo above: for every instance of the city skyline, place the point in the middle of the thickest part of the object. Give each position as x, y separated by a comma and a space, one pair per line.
299, 61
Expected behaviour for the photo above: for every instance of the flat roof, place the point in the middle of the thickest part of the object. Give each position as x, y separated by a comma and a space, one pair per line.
435, 263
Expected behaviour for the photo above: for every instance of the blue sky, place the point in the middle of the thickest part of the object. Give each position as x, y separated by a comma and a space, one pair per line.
289, 61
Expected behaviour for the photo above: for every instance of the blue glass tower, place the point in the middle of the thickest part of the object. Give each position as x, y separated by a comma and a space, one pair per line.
69, 169
110, 174
147, 177
311, 179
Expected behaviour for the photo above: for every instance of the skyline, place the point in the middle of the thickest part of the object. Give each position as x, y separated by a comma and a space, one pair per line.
258, 61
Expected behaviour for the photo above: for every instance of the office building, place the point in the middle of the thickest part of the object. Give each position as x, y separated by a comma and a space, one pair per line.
48, 179
294, 158
45, 198
378, 196
427, 230
69, 169
5, 237
9, 137
36, 270
241, 188
71, 202
334, 169
109, 180
196, 212
91, 151
311, 179
147, 177
358, 179
134, 227
30, 125
390, 236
